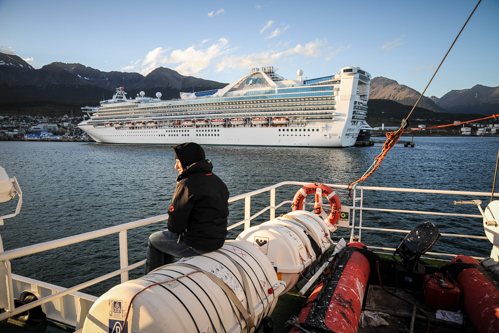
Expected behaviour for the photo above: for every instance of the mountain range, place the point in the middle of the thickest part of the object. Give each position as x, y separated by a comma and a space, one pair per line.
476, 100
59, 86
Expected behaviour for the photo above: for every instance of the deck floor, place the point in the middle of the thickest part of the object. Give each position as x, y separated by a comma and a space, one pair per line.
398, 314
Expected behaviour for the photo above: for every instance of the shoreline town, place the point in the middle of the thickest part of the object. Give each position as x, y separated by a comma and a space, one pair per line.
65, 129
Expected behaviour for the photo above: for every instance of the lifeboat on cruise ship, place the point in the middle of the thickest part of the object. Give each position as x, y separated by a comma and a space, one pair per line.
109, 124
238, 121
218, 122
202, 122
176, 123
188, 123
141, 124
129, 124
280, 121
118, 125
152, 123
259, 121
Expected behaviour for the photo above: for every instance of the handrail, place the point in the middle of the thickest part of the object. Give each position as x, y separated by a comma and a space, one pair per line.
50, 245
32, 249
68, 291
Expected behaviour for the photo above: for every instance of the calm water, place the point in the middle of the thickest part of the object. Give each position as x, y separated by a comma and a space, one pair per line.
71, 188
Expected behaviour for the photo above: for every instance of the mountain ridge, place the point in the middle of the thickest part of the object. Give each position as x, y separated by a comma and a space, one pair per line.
78, 85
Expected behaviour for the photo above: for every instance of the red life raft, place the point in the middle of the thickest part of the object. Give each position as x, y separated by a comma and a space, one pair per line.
481, 296
335, 304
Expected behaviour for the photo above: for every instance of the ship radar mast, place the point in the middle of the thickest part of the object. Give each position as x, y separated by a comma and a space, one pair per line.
300, 74
270, 72
120, 94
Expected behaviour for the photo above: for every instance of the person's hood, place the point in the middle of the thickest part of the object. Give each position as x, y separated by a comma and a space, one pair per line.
188, 153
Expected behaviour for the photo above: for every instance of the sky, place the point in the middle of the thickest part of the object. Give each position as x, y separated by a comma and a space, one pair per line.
221, 40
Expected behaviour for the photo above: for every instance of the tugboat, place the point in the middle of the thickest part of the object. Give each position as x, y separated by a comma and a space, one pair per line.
364, 138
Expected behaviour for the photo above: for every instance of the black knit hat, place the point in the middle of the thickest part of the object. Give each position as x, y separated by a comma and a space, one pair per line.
188, 153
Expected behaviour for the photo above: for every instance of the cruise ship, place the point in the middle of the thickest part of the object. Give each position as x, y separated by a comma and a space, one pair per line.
259, 109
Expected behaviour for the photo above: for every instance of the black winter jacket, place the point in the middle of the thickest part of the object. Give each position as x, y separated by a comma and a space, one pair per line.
200, 207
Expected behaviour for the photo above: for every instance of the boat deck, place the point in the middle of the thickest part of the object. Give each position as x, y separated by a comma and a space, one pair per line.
399, 316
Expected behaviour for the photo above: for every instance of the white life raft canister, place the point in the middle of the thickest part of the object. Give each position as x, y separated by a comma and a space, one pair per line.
229, 290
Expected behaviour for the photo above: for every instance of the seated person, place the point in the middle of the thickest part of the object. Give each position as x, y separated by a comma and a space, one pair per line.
197, 218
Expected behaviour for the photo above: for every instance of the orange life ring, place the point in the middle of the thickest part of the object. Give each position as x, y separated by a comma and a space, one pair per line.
319, 190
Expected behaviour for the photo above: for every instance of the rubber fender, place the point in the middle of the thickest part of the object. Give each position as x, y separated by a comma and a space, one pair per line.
357, 245
338, 304
481, 297
347, 300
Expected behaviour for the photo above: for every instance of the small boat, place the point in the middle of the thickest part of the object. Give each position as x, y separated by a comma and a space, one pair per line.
218, 122
152, 123
280, 121
176, 123
238, 121
259, 121
188, 123
129, 124
141, 124
109, 124
202, 122
118, 125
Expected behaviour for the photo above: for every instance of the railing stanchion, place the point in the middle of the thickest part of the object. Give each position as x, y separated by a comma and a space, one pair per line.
123, 254
272, 204
352, 230
360, 213
247, 212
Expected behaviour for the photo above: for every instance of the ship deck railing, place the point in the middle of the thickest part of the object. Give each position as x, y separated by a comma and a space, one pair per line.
70, 307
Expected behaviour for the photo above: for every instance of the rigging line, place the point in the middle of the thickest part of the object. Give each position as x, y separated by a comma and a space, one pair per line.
495, 177
456, 124
448, 51
392, 138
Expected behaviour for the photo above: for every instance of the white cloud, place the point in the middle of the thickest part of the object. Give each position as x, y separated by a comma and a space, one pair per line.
218, 12
429, 68
132, 65
390, 45
7, 50
336, 51
29, 60
193, 61
277, 32
247, 61
258, 6
267, 25
312, 49
153, 60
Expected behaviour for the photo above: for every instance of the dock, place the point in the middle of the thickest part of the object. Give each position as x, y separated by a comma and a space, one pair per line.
405, 143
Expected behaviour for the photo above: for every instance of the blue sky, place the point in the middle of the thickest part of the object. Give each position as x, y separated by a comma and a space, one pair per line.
220, 40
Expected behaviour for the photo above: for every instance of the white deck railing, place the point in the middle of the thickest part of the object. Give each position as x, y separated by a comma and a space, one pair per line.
355, 225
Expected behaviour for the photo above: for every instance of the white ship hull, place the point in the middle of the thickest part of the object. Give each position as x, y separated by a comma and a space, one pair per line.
323, 135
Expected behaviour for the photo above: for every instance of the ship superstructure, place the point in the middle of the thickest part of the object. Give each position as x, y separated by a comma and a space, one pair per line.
261, 108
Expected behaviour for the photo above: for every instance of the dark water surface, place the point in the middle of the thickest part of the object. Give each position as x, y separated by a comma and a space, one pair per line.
72, 188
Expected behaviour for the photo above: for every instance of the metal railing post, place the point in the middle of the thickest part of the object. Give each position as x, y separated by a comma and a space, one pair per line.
272, 204
6, 289
360, 213
123, 254
247, 212
354, 203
